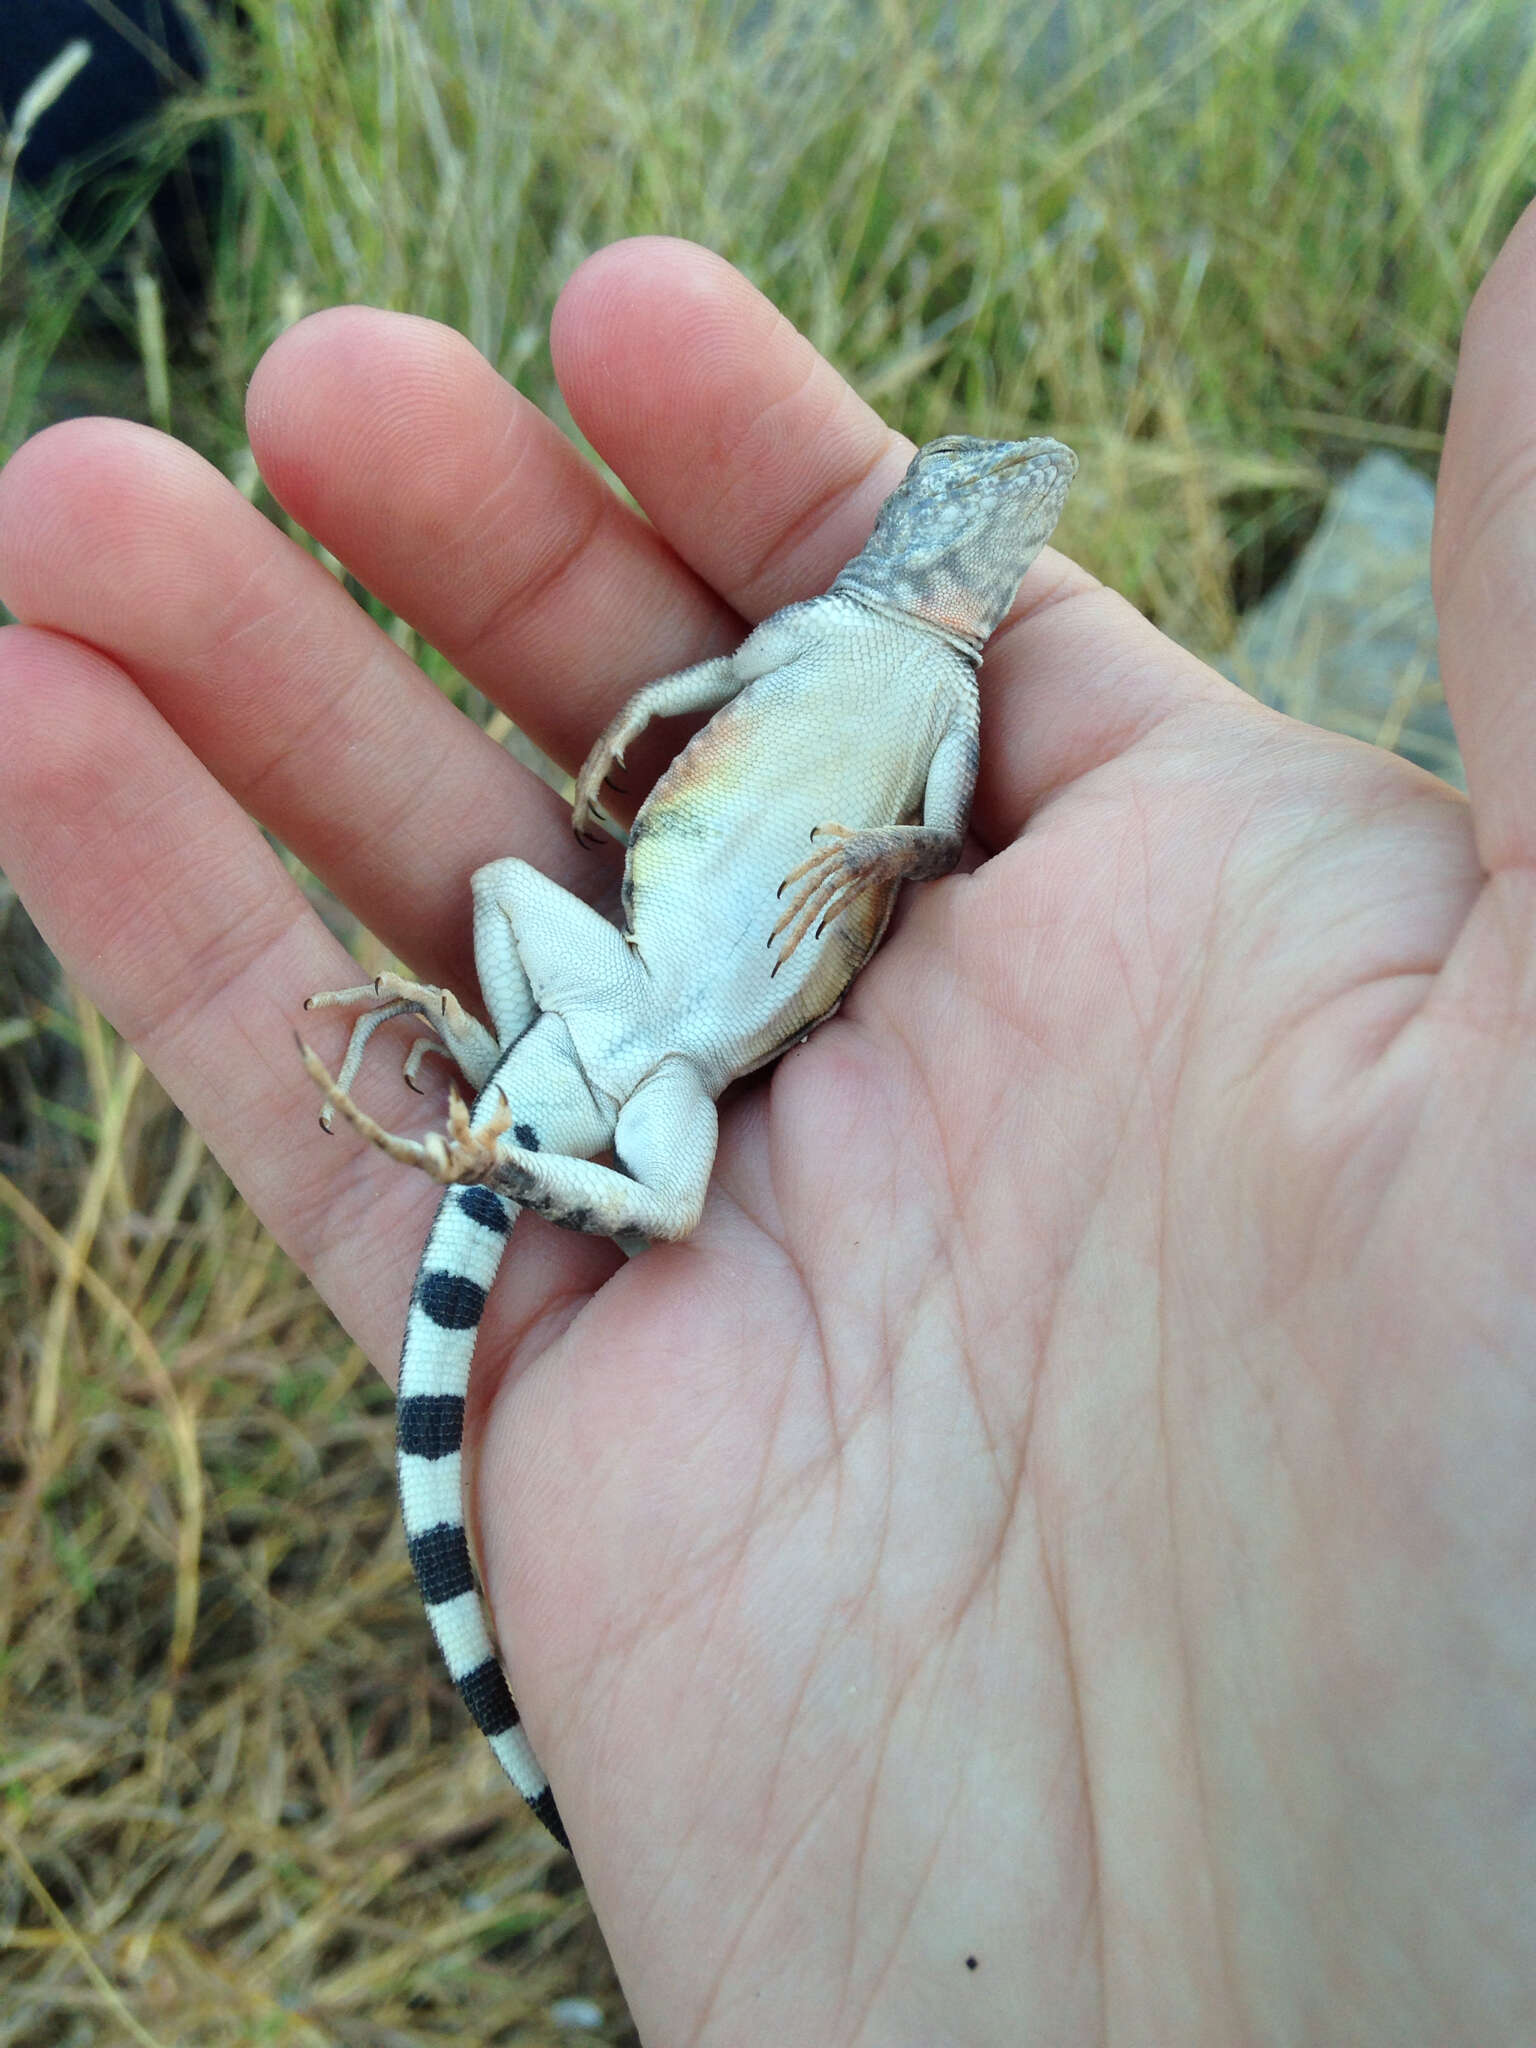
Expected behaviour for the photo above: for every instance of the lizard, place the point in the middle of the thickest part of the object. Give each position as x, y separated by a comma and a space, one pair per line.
849, 722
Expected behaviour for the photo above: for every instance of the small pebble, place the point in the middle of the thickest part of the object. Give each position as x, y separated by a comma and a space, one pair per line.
582, 2014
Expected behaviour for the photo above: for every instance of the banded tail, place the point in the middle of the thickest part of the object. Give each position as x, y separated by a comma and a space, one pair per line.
457, 1268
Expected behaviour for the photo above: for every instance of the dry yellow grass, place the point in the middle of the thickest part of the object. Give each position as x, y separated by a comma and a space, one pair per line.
241, 1803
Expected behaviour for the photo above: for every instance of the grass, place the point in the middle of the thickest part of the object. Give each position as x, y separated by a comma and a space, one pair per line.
1221, 251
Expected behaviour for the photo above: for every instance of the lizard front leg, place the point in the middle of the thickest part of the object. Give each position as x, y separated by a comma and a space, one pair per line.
704, 687
852, 863
839, 873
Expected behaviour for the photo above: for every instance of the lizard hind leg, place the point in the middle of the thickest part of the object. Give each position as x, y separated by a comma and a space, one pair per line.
664, 1148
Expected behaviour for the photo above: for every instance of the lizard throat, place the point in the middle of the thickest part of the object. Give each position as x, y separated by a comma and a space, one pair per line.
950, 631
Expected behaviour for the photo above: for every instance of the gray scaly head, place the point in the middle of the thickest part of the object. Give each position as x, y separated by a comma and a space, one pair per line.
953, 540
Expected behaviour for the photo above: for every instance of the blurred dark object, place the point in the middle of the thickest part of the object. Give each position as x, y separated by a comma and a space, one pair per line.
90, 153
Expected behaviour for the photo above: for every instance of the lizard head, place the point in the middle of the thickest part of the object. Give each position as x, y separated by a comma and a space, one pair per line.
952, 541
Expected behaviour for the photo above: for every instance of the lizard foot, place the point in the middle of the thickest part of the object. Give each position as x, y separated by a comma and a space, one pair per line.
393, 996
596, 773
463, 1155
835, 876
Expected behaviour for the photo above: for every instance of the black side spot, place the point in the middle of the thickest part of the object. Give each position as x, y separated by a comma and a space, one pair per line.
449, 1300
430, 1425
544, 1809
526, 1136
481, 1206
484, 1692
573, 1219
440, 1560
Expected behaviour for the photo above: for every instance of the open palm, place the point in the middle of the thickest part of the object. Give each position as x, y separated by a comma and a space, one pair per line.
1050, 1559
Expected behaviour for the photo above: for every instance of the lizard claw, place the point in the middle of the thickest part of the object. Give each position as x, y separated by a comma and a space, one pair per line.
852, 865
829, 881
596, 774
464, 1155
581, 813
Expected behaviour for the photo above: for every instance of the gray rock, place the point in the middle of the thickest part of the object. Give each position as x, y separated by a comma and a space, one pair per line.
1348, 638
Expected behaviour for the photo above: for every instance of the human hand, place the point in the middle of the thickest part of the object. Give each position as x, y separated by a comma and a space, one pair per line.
1050, 1558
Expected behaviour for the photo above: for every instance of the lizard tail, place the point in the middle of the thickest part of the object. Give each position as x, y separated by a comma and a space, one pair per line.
447, 1302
